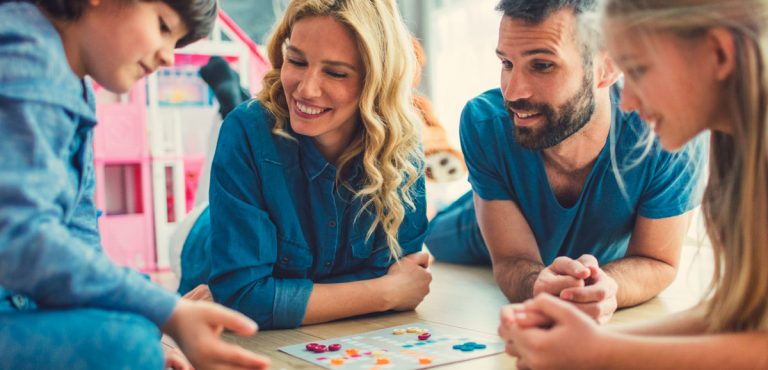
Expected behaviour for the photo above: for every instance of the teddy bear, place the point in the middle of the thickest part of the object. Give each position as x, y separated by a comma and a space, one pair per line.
443, 162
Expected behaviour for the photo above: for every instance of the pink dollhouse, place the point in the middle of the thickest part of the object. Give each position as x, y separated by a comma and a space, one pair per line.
149, 146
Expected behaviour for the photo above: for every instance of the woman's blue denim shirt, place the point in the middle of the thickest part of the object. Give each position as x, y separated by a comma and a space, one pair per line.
278, 223
50, 252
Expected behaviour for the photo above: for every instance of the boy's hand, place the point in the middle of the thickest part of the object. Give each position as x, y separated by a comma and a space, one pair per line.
197, 326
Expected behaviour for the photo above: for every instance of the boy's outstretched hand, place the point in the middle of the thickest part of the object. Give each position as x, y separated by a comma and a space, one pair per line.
196, 326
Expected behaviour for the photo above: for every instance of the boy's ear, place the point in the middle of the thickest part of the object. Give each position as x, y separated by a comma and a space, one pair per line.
94, 2
722, 44
606, 72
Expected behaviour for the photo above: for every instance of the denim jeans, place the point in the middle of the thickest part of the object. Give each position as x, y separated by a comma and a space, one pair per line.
454, 235
32, 338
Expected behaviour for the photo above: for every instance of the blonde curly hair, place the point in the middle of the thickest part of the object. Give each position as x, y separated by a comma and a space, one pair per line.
389, 139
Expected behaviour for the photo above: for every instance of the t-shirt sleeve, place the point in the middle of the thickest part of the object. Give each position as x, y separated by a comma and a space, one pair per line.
482, 157
677, 184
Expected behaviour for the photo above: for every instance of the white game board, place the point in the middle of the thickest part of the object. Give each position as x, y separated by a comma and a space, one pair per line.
381, 349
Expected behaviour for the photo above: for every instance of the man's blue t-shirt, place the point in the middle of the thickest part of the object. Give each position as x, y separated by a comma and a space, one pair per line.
656, 185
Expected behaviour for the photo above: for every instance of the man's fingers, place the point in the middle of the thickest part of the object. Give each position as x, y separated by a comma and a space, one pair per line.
570, 267
554, 284
589, 260
587, 294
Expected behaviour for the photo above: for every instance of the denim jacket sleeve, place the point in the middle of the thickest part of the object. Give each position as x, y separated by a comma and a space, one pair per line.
243, 236
411, 237
42, 252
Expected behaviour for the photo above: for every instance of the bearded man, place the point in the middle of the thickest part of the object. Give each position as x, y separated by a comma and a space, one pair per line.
571, 196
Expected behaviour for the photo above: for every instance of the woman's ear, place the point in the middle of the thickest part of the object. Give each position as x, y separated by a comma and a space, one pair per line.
723, 45
607, 73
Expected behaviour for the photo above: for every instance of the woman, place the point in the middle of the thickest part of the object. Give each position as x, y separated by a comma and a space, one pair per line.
63, 303
690, 66
317, 187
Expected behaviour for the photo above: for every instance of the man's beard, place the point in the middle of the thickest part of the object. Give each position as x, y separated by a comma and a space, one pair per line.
557, 126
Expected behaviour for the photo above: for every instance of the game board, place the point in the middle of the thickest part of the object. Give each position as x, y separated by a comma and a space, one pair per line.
399, 347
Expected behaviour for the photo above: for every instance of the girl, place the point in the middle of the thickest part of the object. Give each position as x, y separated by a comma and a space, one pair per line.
317, 187
690, 66
63, 304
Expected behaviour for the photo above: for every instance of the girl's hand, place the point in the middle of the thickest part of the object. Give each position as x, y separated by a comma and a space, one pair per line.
407, 282
568, 340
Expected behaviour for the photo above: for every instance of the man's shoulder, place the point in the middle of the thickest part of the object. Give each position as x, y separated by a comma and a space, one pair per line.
485, 113
486, 106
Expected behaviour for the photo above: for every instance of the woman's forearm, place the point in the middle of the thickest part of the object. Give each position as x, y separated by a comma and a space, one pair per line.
336, 301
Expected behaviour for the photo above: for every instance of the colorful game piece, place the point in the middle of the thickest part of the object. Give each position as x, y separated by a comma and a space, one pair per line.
382, 361
320, 348
337, 361
377, 354
311, 347
469, 346
424, 336
352, 352
398, 331
425, 360
334, 347
413, 330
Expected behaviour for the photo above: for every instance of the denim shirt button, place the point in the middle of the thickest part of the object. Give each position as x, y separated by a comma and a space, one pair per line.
332, 223
328, 264
19, 301
285, 260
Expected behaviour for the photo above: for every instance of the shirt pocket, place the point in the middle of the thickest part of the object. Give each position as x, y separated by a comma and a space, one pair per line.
293, 259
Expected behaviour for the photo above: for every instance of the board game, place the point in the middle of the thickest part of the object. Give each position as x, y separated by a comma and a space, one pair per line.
410, 346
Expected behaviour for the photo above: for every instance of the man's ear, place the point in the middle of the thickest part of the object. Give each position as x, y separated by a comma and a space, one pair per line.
606, 72
722, 45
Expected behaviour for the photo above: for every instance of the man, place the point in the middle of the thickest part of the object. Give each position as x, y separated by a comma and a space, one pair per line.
567, 198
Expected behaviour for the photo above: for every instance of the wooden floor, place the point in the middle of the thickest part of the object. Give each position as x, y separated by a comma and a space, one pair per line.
467, 297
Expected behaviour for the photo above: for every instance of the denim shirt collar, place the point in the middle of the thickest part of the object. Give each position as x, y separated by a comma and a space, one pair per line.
315, 165
313, 162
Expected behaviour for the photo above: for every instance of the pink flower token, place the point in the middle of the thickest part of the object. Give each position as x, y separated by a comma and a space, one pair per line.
334, 347
424, 336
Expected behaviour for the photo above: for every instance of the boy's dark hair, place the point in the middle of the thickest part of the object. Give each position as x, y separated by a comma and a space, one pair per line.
198, 15
535, 11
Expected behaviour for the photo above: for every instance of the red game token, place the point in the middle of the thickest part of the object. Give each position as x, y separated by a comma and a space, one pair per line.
334, 347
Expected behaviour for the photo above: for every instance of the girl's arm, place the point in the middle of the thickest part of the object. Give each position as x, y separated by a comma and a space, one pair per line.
689, 322
722, 351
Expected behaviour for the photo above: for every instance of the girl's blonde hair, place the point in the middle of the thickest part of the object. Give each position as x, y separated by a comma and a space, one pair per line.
735, 204
389, 138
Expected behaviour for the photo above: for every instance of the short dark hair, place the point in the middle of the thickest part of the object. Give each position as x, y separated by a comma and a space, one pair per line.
536, 11
198, 15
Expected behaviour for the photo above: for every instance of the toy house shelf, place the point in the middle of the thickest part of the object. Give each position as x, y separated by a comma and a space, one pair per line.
149, 146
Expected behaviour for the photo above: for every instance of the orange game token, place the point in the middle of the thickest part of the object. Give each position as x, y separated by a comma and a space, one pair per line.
382, 361
425, 360
337, 361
